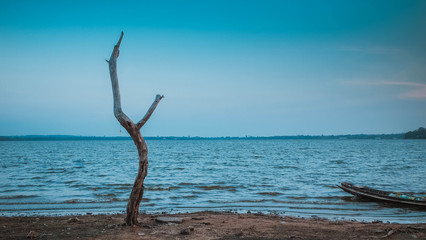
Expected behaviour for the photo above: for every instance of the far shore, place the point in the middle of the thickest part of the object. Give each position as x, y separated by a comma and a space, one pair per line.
201, 225
128, 138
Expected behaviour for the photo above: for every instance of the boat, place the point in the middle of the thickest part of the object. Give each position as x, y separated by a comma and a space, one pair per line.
379, 195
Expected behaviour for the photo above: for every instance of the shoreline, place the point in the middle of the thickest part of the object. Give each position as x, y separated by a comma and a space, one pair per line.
201, 225
215, 211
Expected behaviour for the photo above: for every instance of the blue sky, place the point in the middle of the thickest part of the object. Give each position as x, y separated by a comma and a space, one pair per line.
226, 68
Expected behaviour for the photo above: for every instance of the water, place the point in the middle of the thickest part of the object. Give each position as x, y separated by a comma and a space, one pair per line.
289, 177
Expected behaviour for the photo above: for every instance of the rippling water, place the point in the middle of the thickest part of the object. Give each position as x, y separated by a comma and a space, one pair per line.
291, 177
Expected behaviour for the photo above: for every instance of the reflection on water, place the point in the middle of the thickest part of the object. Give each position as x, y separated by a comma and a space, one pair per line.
292, 177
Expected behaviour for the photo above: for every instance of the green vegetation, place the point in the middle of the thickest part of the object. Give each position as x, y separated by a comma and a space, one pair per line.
416, 134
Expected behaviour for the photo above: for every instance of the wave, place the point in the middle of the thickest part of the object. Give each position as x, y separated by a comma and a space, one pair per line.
269, 193
184, 196
161, 188
186, 184
119, 184
217, 187
81, 201
190, 196
18, 196
105, 195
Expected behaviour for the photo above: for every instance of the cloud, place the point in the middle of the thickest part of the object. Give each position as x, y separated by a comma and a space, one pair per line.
419, 90
416, 90
376, 50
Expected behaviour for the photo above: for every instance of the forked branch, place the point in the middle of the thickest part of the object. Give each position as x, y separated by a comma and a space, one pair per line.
124, 120
148, 114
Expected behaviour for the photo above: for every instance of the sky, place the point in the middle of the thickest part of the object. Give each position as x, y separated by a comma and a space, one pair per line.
226, 68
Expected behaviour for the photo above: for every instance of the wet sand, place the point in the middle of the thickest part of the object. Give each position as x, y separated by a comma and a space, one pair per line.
202, 225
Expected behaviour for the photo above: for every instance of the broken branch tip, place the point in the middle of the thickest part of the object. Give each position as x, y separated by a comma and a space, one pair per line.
119, 41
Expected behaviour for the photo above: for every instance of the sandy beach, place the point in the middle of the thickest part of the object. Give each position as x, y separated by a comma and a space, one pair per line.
202, 225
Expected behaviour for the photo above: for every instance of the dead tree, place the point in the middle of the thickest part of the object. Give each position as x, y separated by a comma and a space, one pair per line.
134, 131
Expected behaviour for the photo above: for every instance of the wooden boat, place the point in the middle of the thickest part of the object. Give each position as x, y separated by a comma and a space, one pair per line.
379, 195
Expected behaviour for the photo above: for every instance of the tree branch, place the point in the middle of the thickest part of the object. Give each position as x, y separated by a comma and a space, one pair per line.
124, 120
150, 111
116, 52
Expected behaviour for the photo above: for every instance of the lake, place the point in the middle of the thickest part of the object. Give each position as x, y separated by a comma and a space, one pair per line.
287, 177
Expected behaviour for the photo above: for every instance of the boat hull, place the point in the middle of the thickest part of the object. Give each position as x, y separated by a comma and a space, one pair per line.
377, 195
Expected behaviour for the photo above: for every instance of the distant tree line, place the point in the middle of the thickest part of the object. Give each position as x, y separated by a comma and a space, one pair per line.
416, 134
86, 138
58, 138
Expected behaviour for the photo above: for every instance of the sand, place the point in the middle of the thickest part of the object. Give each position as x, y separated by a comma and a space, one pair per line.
202, 225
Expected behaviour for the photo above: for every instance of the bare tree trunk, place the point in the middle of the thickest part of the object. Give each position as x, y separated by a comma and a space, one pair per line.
133, 129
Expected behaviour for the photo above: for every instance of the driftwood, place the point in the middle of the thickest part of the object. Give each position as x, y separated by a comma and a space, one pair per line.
133, 129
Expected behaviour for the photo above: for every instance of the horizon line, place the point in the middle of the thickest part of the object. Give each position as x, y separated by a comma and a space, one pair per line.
199, 137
